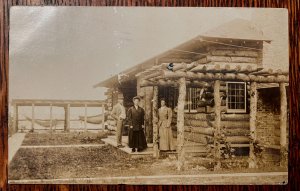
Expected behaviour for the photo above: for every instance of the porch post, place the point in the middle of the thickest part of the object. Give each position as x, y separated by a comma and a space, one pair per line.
283, 125
67, 118
32, 117
252, 122
180, 123
85, 117
217, 124
155, 121
15, 118
103, 117
51, 124
148, 113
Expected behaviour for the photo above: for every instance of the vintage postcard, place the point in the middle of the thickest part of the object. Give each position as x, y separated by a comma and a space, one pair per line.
119, 95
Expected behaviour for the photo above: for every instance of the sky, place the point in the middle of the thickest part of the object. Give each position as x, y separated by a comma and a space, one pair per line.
61, 52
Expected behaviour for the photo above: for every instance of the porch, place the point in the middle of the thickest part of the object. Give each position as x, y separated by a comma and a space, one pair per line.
212, 76
191, 147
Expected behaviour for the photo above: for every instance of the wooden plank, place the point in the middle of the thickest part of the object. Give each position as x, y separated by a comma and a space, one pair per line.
180, 123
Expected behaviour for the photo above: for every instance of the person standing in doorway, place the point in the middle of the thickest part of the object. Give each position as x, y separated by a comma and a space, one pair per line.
166, 142
136, 135
119, 114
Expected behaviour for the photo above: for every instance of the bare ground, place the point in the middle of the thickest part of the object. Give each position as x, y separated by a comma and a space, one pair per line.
107, 161
64, 138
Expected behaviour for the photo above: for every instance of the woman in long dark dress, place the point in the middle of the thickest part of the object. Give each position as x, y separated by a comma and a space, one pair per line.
136, 136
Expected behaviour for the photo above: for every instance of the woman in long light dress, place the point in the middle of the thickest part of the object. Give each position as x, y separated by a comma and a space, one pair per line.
166, 140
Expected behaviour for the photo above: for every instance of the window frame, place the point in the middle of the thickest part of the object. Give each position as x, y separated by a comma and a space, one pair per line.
188, 98
245, 98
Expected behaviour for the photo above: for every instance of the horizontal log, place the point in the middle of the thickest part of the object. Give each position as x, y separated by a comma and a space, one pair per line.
161, 82
238, 139
210, 58
191, 66
198, 138
152, 75
237, 145
200, 130
235, 124
226, 77
210, 117
263, 71
212, 109
199, 116
237, 132
201, 61
197, 123
179, 66
239, 53
240, 59
235, 117
205, 68
238, 67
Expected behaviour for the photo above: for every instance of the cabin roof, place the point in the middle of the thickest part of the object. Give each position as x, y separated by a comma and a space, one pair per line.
189, 50
238, 29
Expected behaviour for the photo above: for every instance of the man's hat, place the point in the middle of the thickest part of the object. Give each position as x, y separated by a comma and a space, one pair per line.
136, 97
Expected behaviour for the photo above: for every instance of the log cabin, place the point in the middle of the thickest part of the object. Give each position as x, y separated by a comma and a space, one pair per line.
221, 89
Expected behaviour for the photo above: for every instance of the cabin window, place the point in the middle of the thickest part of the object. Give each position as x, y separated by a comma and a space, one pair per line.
170, 94
236, 97
191, 99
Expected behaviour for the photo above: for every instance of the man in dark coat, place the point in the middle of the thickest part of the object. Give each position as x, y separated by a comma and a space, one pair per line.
136, 136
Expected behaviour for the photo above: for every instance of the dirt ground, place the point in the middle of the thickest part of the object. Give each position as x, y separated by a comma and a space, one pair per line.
102, 161
108, 161
64, 138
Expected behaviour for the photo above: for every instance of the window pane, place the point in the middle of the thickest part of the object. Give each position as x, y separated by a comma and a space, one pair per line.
236, 96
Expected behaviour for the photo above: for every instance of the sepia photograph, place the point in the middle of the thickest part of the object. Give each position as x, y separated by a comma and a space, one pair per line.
148, 96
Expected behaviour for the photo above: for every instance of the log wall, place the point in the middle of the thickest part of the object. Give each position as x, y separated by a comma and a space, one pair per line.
231, 55
199, 127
